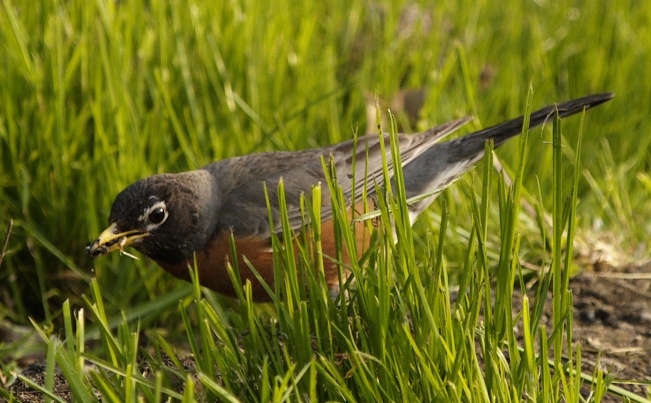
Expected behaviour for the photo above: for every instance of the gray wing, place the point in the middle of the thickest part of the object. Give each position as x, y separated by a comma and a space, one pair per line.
428, 166
242, 180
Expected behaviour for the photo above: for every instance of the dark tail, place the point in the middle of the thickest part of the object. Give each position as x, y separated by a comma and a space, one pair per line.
504, 131
438, 166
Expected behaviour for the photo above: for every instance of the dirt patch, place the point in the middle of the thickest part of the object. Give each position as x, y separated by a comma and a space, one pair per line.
36, 372
612, 322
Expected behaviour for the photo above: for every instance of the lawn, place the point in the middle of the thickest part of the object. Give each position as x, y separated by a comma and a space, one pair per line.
97, 94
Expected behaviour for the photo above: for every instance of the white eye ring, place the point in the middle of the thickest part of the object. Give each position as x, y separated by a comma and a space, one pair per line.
155, 215
158, 216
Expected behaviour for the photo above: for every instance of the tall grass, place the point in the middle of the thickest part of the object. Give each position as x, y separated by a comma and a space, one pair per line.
95, 95
391, 335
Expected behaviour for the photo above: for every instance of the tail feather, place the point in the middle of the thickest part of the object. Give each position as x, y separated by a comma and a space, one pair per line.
440, 165
504, 131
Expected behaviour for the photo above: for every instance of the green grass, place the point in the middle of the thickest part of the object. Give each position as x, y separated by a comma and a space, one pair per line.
95, 95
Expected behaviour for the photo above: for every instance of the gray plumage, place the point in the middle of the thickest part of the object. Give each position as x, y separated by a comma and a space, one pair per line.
229, 194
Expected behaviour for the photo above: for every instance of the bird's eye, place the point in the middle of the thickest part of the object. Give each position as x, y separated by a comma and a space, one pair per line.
158, 215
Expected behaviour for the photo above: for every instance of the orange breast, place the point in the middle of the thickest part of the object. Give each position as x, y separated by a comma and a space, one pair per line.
212, 261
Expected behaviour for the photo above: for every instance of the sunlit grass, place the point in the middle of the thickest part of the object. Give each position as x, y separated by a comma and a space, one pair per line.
95, 95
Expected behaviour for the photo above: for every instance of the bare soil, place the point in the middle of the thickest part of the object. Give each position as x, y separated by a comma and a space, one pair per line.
612, 322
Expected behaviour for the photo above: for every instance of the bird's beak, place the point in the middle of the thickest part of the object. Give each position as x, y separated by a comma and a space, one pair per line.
111, 240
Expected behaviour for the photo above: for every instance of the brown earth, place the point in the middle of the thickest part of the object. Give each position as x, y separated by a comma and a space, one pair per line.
612, 323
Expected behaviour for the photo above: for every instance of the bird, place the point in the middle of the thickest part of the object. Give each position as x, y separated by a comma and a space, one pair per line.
187, 218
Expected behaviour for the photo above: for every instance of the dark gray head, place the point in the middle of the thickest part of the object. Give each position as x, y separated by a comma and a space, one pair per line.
167, 217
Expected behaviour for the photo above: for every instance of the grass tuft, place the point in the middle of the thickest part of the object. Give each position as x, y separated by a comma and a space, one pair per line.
95, 95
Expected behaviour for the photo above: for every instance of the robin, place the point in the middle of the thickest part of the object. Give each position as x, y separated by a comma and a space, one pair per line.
177, 218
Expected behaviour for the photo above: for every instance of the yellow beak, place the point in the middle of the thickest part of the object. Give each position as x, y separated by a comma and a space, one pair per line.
111, 240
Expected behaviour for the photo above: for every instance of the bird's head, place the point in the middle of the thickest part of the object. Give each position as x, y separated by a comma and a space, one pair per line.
166, 217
